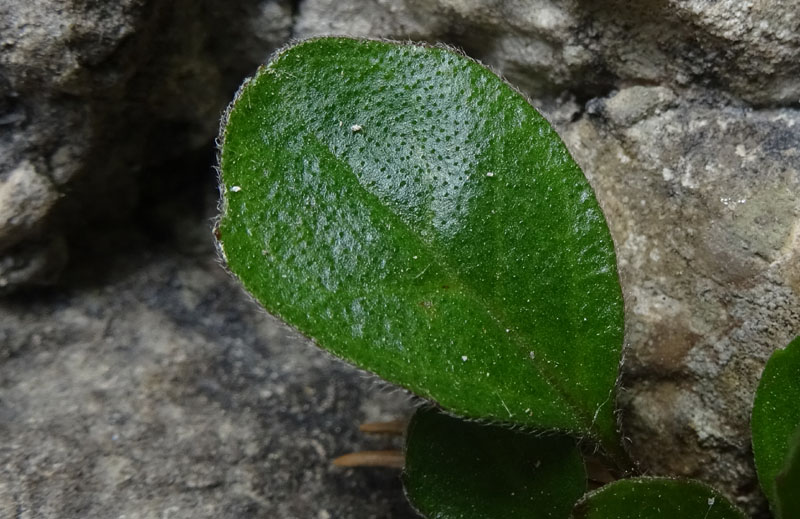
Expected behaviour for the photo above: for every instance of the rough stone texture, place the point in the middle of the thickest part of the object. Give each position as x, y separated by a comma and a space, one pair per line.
26, 197
749, 48
685, 114
704, 203
91, 93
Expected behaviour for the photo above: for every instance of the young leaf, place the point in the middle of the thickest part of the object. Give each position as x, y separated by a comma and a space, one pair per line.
410, 212
457, 469
656, 498
787, 483
776, 415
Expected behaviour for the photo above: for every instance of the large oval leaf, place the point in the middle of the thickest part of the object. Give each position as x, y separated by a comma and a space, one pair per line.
776, 415
656, 498
466, 470
410, 212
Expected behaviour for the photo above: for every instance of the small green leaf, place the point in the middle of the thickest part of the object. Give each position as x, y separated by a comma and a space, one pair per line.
412, 213
656, 498
466, 470
787, 483
776, 416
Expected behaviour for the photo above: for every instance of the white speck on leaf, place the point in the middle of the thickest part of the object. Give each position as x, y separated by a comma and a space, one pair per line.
711, 501
510, 414
464, 358
236, 189
490, 173
355, 128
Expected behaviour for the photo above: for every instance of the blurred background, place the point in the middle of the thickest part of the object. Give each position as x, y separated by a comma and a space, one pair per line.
138, 380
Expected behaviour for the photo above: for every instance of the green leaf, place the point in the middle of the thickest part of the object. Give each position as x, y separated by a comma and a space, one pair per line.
459, 470
787, 483
412, 213
776, 416
656, 498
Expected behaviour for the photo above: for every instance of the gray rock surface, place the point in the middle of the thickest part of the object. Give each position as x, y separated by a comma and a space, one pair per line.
703, 200
544, 46
685, 115
94, 93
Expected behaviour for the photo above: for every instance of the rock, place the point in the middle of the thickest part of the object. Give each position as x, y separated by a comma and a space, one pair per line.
92, 94
546, 46
754, 45
703, 200
33, 263
630, 105
26, 198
